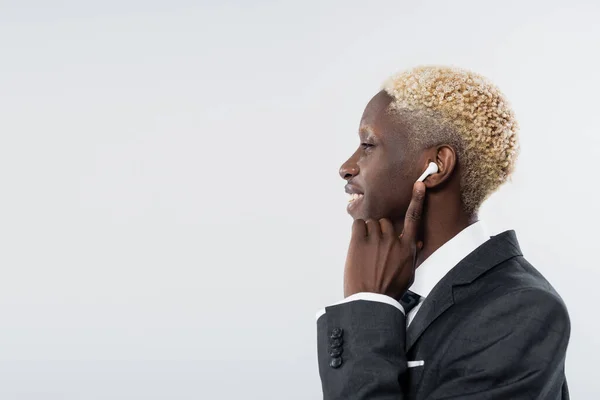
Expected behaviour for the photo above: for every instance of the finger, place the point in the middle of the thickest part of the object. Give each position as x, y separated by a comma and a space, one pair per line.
373, 228
408, 275
359, 229
387, 228
413, 214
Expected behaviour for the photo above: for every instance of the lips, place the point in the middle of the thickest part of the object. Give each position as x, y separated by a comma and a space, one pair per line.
353, 189
356, 195
354, 203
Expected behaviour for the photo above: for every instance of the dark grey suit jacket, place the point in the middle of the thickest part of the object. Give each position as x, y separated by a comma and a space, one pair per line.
492, 328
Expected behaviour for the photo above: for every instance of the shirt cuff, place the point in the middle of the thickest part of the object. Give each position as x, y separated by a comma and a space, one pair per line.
381, 298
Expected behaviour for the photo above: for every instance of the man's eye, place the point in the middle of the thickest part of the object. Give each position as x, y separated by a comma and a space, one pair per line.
366, 145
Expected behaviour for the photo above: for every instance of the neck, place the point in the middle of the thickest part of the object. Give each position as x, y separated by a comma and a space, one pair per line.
442, 220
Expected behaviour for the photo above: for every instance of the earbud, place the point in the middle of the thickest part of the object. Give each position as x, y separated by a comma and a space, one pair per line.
432, 168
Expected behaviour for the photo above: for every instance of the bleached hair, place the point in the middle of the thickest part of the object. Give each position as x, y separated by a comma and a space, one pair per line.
457, 107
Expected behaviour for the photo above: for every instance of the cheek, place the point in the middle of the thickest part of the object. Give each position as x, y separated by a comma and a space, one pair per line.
397, 175
385, 191
388, 184
399, 188
400, 170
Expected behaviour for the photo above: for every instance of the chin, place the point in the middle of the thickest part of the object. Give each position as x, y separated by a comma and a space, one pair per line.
357, 214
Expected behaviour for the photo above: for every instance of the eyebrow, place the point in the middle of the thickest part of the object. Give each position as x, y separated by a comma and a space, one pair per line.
366, 130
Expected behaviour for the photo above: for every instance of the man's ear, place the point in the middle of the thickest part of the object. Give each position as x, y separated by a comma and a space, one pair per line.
445, 158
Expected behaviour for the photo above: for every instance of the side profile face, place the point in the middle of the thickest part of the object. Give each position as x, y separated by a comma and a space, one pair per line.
383, 169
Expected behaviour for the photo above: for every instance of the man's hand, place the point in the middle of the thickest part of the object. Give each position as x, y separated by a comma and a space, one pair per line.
380, 261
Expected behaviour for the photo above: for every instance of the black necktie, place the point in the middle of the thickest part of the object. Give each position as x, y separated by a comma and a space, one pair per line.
409, 301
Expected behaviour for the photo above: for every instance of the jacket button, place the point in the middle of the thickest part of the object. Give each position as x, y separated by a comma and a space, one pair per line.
336, 333
336, 351
335, 362
336, 342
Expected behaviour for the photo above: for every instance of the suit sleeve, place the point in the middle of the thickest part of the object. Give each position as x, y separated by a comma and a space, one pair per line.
512, 349
361, 351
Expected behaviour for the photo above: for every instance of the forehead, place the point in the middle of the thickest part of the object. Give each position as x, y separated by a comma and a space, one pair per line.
377, 120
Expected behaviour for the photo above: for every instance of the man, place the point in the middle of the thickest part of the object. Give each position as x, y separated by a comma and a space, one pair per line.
479, 322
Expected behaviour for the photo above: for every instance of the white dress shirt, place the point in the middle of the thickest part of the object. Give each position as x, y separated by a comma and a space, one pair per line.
432, 270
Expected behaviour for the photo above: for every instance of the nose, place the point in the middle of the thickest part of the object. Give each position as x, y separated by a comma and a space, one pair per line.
349, 169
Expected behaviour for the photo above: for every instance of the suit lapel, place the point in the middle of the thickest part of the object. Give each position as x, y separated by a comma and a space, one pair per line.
493, 252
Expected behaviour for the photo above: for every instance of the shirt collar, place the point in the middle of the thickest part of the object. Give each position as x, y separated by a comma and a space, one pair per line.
441, 261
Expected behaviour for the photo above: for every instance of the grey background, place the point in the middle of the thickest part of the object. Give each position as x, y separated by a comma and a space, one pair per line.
171, 212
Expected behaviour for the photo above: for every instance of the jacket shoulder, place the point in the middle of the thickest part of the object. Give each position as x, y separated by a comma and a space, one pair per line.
515, 275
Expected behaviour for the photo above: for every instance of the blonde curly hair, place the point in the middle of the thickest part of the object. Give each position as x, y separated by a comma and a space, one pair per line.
447, 105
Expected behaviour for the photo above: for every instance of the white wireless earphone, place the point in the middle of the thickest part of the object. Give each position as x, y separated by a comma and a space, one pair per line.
432, 168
